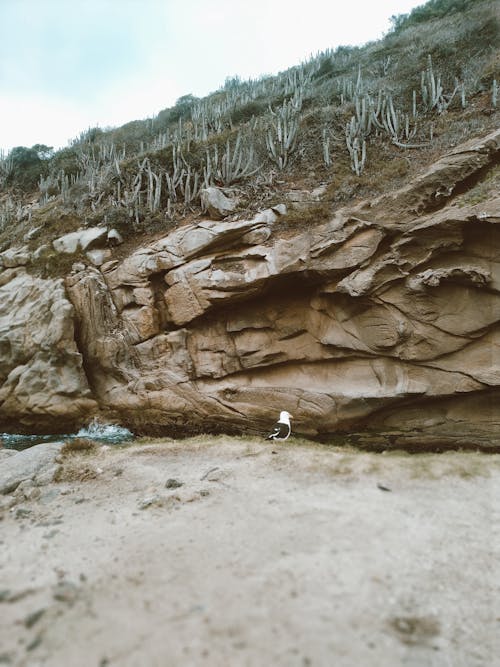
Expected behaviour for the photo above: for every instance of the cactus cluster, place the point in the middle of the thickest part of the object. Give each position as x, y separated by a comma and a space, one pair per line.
433, 95
336, 104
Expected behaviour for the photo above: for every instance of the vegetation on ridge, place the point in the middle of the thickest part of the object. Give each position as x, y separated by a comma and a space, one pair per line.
357, 119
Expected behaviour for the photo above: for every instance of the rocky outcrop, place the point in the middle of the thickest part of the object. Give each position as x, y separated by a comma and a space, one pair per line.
385, 318
42, 382
38, 465
215, 203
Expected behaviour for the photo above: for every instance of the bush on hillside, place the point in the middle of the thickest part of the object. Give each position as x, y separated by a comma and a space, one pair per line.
434, 9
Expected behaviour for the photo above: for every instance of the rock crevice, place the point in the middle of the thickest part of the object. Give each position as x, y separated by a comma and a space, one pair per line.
386, 316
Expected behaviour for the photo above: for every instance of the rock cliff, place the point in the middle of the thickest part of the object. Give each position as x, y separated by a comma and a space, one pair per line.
383, 320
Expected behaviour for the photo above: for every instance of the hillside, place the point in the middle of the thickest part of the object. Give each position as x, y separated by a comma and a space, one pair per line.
323, 242
356, 120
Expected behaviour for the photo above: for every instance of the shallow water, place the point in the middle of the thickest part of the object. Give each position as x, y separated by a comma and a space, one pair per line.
106, 433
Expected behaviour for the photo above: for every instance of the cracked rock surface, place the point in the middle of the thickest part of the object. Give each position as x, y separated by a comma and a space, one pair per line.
386, 317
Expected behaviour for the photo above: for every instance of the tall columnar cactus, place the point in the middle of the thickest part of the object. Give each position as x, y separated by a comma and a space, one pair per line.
174, 179
281, 136
326, 148
432, 91
398, 125
190, 186
357, 151
235, 163
7, 212
153, 195
494, 93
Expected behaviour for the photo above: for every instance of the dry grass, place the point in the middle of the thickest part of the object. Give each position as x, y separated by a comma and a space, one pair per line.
338, 461
78, 446
78, 461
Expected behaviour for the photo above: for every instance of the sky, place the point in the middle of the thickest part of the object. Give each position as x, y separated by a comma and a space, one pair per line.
67, 65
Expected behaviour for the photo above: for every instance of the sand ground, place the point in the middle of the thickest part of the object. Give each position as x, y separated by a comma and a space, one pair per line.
286, 557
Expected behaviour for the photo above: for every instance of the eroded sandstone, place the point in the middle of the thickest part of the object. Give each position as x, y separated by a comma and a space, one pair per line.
386, 317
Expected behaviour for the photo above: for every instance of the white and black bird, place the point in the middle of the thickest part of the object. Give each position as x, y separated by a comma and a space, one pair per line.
282, 428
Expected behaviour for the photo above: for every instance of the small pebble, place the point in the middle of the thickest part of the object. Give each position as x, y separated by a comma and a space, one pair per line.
172, 484
65, 591
35, 643
33, 618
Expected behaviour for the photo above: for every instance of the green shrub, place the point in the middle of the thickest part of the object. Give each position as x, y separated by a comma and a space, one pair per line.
244, 113
27, 166
434, 9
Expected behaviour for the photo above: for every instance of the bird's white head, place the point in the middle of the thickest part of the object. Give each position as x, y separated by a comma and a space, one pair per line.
285, 417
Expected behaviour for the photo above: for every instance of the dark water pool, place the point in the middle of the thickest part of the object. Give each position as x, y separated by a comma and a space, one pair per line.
106, 433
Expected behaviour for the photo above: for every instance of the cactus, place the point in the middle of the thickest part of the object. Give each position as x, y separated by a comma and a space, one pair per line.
433, 95
357, 151
281, 137
153, 195
7, 212
326, 148
494, 93
234, 164
6, 168
190, 188
356, 147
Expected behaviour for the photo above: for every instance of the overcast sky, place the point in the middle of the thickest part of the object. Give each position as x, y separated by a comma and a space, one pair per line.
67, 65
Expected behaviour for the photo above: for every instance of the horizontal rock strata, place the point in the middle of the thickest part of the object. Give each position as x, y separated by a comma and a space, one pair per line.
384, 318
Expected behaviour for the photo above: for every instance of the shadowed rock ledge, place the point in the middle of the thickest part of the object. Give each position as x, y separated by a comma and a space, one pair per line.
385, 318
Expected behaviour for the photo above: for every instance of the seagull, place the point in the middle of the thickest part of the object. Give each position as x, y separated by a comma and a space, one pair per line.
282, 428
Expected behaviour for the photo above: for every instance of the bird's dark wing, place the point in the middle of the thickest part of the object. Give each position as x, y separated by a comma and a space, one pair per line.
275, 432
280, 432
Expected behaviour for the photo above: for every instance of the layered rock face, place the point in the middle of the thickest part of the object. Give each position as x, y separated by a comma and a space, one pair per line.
42, 382
385, 319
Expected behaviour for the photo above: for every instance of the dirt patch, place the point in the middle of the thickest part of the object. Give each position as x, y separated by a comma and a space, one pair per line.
228, 551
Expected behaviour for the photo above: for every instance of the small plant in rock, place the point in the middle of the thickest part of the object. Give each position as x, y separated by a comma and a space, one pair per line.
78, 445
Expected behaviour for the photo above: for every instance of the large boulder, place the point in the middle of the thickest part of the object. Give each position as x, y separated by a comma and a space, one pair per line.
215, 203
42, 382
83, 239
38, 464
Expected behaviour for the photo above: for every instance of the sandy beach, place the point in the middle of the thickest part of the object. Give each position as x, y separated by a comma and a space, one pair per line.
221, 551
